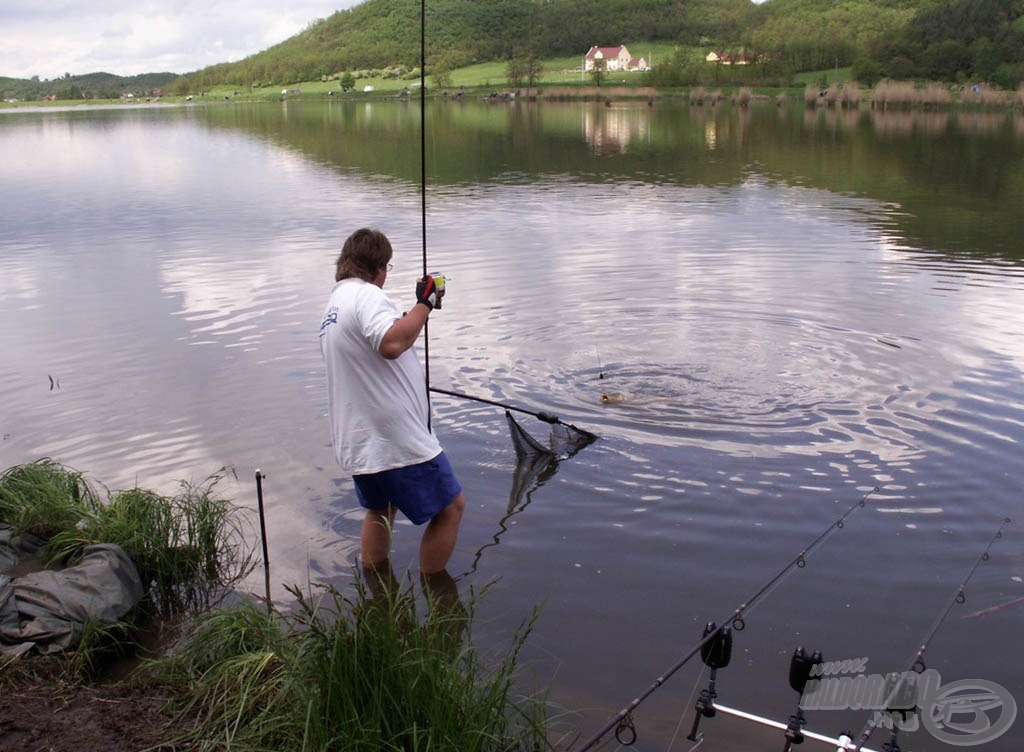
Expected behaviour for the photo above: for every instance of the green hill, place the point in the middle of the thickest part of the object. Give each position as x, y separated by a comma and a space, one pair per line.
382, 34
938, 39
947, 40
88, 86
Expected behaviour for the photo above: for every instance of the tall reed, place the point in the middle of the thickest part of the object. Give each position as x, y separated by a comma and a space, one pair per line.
983, 95
812, 94
851, 94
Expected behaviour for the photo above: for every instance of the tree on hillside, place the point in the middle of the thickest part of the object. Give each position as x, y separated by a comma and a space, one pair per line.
957, 40
523, 68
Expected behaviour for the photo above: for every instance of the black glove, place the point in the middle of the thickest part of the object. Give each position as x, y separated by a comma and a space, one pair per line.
427, 293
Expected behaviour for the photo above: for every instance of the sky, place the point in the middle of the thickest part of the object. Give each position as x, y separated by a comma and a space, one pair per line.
48, 38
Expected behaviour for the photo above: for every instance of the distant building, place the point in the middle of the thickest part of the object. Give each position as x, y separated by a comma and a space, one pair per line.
615, 59
727, 58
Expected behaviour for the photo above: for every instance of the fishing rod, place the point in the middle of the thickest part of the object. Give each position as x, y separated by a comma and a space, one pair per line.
423, 188
715, 636
917, 666
546, 417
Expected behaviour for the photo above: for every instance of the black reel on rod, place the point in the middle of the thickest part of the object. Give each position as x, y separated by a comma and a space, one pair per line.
715, 651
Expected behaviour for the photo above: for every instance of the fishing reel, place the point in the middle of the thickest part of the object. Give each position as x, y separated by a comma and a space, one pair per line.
438, 287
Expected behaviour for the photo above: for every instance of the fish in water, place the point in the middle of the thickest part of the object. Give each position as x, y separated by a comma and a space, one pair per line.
614, 398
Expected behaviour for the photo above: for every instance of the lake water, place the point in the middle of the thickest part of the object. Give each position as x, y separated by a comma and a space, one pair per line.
795, 307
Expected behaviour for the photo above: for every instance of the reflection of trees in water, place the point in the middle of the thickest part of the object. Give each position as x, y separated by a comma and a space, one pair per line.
937, 165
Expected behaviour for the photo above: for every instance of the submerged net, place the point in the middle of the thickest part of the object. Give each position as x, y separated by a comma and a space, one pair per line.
537, 463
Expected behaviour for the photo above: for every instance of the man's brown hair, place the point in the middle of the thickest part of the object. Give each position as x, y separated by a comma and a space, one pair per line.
364, 254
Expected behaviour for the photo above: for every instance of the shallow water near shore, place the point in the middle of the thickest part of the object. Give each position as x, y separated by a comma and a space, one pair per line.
797, 309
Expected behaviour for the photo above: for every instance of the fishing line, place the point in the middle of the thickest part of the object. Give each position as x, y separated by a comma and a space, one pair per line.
623, 719
917, 665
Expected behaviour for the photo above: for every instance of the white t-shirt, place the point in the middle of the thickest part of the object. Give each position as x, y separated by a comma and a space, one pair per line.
378, 407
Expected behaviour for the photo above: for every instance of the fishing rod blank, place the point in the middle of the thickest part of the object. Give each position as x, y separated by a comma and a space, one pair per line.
917, 664
423, 189
623, 719
546, 417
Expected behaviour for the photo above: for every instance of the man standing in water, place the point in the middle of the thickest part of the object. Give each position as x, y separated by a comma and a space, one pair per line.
378, 407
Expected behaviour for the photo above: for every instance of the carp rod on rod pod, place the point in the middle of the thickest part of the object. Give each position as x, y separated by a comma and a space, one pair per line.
917, 667
623, 719
913, 694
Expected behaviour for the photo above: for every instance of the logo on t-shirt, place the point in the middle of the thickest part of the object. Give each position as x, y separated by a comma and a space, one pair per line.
331, 317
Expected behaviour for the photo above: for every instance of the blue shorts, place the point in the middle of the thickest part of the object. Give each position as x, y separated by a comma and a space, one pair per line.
420, 491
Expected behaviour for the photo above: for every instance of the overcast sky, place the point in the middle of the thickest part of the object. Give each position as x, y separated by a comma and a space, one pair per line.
48, 38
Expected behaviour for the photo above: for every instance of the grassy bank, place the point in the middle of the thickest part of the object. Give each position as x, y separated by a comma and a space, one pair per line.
361, 673
378, 669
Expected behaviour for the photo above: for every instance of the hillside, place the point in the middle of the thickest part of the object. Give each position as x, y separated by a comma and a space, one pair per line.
88, 86
953, 40
380, 34
947, 40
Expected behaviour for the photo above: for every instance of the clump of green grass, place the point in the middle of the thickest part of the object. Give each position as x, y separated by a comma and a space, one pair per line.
188, 547
44, 498
360, 674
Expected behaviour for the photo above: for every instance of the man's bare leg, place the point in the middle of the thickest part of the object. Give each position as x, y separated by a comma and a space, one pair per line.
375, 538
439, 538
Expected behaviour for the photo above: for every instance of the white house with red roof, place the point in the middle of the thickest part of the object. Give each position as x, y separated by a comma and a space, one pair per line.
615, 59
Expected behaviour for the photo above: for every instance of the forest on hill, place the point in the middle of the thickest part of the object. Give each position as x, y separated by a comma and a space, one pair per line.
948, 40
927, 40
87, 86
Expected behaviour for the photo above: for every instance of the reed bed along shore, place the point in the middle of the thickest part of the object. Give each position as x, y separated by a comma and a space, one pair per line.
888, 94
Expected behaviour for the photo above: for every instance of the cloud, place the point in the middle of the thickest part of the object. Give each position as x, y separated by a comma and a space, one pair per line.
50, 38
